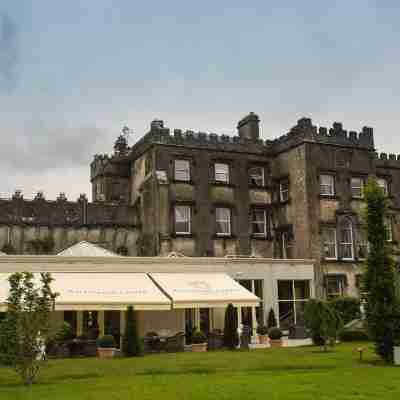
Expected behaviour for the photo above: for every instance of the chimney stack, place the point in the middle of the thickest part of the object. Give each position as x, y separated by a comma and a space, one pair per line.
248, 127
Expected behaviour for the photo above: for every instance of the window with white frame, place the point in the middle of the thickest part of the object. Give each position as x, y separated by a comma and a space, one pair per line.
259, 222
256, 176
327, 185
335, 285
286, 245
292, 299
346, 240
388, 229
284, 190
182, 170
362, 245
357, 188
183, 220
329, 243
221, 172
383, 184
223, 221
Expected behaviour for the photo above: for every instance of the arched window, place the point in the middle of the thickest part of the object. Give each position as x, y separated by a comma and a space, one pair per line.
346, 240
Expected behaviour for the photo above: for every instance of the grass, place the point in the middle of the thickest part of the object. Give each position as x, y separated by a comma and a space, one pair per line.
286, 373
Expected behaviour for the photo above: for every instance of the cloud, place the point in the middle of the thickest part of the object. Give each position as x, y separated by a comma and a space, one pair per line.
8, 53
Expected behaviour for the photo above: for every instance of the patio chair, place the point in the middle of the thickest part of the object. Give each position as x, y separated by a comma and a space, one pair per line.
175, 343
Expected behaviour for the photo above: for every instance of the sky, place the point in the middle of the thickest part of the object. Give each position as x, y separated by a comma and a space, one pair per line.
73, 73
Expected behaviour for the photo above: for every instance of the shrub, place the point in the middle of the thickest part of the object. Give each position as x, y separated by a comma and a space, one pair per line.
262, 330
275, 333
64, 333
231, 338
347, 335
106, 341
271, 319
131, 345
347, 307
198, 337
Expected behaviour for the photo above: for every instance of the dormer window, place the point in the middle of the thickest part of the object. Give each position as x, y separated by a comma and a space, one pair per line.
221, 173
256, 176
182, 170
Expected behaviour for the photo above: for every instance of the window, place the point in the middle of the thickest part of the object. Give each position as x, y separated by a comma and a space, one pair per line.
292, 298
383, 184
327, 185
286, 245
284, 190
182, 220
259, 223
182, 170
362, 245
255, 286
357, 188
256, 176
388, 229
221, 172
223, 221
329, 243
335, 285
346, 240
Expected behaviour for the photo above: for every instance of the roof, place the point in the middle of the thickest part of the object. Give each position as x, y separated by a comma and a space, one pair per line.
86, 249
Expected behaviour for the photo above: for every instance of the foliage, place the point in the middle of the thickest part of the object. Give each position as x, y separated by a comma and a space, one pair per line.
382, 304
131, 345
275, 333
64, 333
322, 320
353, 335
231, 338
8, 248
198, 337
262, 330
271, 318
26, 327
42, 246
106, 342
347, 307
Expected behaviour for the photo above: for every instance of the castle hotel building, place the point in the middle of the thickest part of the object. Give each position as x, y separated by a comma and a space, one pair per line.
283, 201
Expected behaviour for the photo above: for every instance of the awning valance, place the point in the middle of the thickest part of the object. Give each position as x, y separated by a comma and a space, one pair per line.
101, 291
207, 290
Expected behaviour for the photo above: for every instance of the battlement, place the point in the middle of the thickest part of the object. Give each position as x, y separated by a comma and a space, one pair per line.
385, 160
305, 130
105, 165
62, 212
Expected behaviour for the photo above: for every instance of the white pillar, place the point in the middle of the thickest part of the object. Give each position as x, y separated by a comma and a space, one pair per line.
79, 323
122, 321
197, 318
239, 319
255, 325
100, 320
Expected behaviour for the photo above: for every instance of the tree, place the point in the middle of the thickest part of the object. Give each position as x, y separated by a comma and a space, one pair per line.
382, 305
347, 307
27, 327
131, 345
271, 319
231, 339
323, 321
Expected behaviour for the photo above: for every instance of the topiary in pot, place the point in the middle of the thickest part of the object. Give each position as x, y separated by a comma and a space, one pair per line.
106, 346
262, 331
275, 336
231, 338
199, 341
271, 319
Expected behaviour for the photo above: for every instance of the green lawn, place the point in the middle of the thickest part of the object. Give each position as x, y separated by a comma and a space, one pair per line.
286, 373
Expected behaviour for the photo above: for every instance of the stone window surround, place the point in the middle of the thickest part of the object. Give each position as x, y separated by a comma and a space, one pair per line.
332, 185
187, 170
230, 221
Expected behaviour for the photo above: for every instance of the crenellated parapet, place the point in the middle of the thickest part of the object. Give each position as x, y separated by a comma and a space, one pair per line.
385, 160
61, 212
304, 130
104, 165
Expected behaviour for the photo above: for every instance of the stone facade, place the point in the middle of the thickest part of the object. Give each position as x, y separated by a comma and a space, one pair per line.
203, 194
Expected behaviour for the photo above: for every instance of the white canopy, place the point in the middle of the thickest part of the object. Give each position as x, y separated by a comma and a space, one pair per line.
101, 291
86, 249
207, 290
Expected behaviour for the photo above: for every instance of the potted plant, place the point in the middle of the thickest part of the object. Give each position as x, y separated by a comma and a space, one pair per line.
262, 331
106, 346
275, 337
199, 341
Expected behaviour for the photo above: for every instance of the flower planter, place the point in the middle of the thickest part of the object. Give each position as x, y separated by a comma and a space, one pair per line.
263, 339
275, 342
105, 352
199, 347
